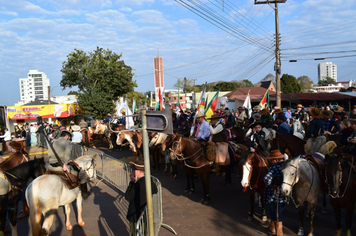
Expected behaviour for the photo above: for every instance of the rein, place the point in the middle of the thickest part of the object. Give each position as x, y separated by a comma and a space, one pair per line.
259, 171
348, 180
180, 157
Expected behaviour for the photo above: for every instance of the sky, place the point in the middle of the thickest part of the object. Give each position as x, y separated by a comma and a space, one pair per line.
205, 40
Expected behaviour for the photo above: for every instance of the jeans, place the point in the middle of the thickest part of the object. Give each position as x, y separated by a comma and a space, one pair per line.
273, 210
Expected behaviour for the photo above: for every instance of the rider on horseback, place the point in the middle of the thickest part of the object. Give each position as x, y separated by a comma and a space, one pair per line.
63, 148
256, 141
315, 132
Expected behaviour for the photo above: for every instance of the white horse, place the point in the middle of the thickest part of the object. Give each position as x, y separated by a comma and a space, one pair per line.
301, 174
298, 129
46, 193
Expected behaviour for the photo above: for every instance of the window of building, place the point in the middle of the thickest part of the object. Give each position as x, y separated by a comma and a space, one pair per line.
39, 92
37, 84
38, 88
38, 80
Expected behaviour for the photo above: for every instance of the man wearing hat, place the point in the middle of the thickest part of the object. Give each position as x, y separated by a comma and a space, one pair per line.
256, 141
77, 136
241, 116
229, 117
266, 118
283, 127
339, 114
184, 127
273, 196
256, 110
56, 133
329, 124
301, 114
63, 148
316, 124
83, 124
201, 130
136, 194
348, 136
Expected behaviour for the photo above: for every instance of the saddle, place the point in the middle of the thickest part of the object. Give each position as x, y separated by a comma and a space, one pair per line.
318, 162
69, 183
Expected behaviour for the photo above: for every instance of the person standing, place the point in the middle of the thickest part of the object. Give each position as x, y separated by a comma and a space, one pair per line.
40, 136
273, 196
56, 133
136, 194
6, 137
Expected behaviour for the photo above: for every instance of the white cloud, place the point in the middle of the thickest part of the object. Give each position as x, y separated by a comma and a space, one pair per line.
10, 13
125, 9
133, 2
150, 17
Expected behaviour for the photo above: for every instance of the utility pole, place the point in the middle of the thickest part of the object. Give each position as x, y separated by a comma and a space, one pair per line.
277, 66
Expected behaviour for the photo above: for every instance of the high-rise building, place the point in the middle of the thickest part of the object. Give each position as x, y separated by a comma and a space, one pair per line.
34, 87
158, 76
327, 69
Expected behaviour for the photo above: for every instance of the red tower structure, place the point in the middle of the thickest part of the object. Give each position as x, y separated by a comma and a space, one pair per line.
159, 76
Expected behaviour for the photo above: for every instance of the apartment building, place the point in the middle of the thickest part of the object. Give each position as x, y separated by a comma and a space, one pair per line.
34, 87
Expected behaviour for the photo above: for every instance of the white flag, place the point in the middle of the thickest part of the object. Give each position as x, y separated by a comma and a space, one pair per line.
129, 120
247, 104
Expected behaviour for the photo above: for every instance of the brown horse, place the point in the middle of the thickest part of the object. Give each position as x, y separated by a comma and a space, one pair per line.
254, 168
340, 178
191, 153
102, 129
14, 160
134, 139
86, 136
238, 134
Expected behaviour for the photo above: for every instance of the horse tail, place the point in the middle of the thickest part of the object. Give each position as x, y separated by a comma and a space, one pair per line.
35, 212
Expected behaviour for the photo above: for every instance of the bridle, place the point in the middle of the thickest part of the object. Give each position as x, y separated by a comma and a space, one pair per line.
340, 179
180, 156
295, 181
250, 171
92, 166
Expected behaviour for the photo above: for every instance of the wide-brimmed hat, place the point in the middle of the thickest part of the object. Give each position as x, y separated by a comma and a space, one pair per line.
315, 112
71, 122
257, 123
299, 106
264, 112
15, 145
327, 114
199, 114
339, 109
277, 111
76, 127
281, 116
137, 165
241, 108
275, 154
214, 117
67, 132
228, 125
258, 107
256, 117
55, 126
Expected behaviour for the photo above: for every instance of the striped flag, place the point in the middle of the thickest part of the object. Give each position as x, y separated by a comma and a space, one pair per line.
134, 106
212, 105
265, 101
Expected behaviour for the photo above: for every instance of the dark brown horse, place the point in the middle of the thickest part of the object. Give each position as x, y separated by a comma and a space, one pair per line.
238, 134
86, 136
290, 144
254, 168
14, 160
191, 153
340, 178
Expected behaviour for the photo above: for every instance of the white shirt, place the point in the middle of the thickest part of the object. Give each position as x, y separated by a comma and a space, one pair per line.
204, 131
77, 137
6, 136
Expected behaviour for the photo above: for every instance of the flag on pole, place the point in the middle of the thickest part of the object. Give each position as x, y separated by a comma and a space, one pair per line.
247, 104
158, 101
206, 103
134, 106
129, 120
179, 106
212, 105
202, 102
264, 104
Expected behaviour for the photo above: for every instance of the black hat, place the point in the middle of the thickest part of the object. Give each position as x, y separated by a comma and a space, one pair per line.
137, 165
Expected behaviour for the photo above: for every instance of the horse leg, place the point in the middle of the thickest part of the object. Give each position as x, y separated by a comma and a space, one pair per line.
68, 224
252, 204
48, 219
311, 216
13, 219
204, 173
337, 210
349, 214
301, 222
3, 207
80, 210
324, 204
264, 216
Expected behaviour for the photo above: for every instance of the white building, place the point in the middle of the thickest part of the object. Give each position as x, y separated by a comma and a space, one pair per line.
327, 69
35, 86
331, 88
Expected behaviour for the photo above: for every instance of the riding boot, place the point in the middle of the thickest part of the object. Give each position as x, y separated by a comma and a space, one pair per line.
166, 169
84, 190
25, 210
279, 228
271, 229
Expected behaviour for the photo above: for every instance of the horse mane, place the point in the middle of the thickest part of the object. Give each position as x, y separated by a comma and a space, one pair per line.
291, 136
287, 162
83, 158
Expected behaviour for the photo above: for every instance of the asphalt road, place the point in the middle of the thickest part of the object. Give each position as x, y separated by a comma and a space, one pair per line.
227, 213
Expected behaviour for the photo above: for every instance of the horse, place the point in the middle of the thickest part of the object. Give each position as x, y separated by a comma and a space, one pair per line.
134, 138
14, 160
156, 140
238, 134
11, 183
254, 168
298, 129
340, 178
192, 154
302, 177
46, 193
104, 130
86, 136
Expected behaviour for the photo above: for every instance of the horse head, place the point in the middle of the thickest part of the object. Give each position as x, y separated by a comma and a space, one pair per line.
247, 167
168, 142
334, 173
290, 175
88, 164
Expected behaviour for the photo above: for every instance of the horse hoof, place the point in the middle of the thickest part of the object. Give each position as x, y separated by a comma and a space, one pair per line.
81, 224
44, 231
69, 227
300, 232
206, 203
264, 218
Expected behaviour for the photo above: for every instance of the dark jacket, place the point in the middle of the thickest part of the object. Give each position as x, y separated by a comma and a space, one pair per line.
136, 195
221, 136
315, 128
301, 115
349, 147
284, 128
268, 120
258, 142
184, 129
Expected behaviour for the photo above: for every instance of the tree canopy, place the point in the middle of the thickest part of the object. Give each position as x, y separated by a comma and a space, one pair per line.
305, 83
289, 84
101, 77
326, 81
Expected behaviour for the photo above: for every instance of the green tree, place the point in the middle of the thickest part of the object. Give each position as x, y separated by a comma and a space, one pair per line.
326, 81
186, 84
289, 84
245, 83
305, 83
101, 77
226, 86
